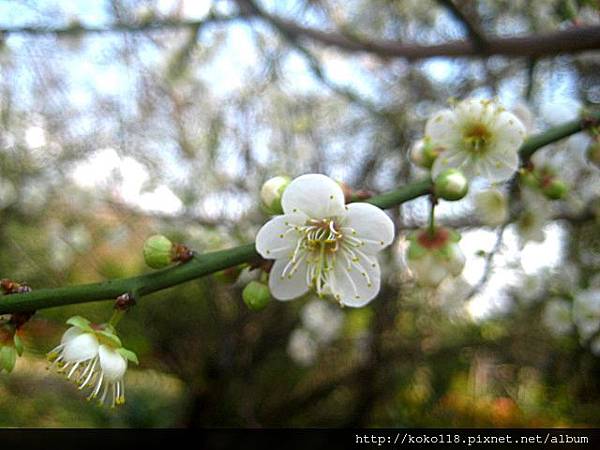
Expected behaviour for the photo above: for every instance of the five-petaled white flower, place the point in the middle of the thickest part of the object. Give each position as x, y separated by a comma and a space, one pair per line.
479, 138
323, 244
92, 356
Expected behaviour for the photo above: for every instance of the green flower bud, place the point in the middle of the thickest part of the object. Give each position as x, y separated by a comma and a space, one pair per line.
159, 251
451, 185
555, 189
256, 296
271, 193
593, 153
528, 178
423, 153
8, 358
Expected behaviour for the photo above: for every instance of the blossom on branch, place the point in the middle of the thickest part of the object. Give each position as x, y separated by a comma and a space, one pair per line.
93, 357
479, 138
322, 244
434, 255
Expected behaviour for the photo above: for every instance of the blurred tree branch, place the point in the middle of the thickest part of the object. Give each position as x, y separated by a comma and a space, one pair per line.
572, 40
543, 44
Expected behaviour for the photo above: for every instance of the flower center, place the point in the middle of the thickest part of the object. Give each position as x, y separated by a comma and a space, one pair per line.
323, 243
322, 235
476, 137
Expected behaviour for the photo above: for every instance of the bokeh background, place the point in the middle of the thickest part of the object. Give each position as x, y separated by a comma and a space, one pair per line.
124, 118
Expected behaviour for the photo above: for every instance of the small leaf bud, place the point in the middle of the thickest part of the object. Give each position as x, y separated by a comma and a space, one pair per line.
159, 251
256, 295
271, 193
451, 185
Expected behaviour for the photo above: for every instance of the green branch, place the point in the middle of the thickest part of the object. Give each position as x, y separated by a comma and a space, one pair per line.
207, 263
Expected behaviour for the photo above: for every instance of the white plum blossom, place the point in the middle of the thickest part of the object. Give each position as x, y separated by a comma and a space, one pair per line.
432, 257
302, 348
322, 320
93, 358
532, 220
557, 316
586, 313
479, 138
322, 244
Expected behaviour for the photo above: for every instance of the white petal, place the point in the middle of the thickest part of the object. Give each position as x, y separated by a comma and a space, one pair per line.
370, 224
499, 165
456, 262
276, 239
441, 127
315, 195
454, 158
359, 285
70, 334
81, 348
427, 271
508, 130
112, 363
286, 287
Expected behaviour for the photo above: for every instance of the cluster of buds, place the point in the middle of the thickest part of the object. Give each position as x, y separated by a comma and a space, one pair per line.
160, 252
11, 345
545, 180
433, 255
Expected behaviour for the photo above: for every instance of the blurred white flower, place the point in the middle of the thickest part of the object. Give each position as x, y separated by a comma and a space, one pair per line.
323, 244
302, 348
586, 313
557, 316
533, 219
479, 138
322, 320
491, 207
432, 258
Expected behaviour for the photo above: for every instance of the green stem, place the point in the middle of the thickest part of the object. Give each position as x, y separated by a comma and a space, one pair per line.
432, 217
207, 263
116, 317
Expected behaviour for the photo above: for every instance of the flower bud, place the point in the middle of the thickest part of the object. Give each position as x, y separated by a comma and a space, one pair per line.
423, 153
593, 153
451, 185
256, 296
271, 193
528, 178
555, 189
159, 251
8, 358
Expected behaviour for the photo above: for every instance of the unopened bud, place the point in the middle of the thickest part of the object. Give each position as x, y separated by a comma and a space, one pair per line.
256, 296
271, 193
159, 251
555, 189
8, 358
451, 185
423, 153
